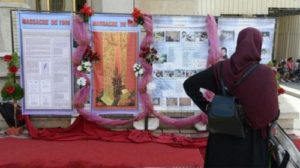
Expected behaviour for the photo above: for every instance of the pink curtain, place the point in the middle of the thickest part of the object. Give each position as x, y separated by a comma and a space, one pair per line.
214, 54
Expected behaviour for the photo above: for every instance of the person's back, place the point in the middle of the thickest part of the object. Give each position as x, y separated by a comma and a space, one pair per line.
257, 95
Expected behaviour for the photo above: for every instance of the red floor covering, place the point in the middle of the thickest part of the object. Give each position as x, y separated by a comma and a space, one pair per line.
297, 143
15, 153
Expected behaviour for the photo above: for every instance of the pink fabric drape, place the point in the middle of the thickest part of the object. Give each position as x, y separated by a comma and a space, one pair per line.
80, 34
214, 54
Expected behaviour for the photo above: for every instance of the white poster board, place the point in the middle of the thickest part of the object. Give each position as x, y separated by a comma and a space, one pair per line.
46, 62
229, 29
182, 44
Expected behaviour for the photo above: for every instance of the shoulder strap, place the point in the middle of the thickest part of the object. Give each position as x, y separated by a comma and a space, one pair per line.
237, 83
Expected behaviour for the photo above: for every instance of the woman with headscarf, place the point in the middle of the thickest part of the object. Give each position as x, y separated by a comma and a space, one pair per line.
257, 95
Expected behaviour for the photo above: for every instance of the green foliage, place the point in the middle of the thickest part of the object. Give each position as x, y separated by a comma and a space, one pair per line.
17, 94
12, 90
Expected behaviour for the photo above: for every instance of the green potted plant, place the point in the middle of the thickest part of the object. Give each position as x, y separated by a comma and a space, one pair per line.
11, 90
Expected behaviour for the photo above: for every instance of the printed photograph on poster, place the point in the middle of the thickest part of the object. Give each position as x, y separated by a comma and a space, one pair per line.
266, 36
224, 52
180, 73
156, 101
194, 36
227, 35
187, 36
158, 73
114, 82
172, 101
159, 36
168, 74
173, 36
162, 59
201, 37
183, 101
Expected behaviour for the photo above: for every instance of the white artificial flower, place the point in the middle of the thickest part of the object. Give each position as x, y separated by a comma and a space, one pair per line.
141, 71
88, 69
81, 81
136, 74
87, 64
138, 70
151, 87
124, 91
79, 68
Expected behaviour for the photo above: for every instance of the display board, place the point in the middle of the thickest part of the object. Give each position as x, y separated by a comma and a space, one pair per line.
45, 52
229, 29
114, 85
182, 43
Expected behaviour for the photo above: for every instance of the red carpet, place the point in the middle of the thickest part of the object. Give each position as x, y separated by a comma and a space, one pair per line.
297, 143
92, 153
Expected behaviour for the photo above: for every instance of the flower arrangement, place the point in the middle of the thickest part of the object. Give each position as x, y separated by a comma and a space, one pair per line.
138, 17
138, 70
86, 12
280, 90
149, 54
88, 59
12, 90
90, 55
81, 81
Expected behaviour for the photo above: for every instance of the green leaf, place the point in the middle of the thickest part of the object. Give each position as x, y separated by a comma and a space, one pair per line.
5, 96
19, 93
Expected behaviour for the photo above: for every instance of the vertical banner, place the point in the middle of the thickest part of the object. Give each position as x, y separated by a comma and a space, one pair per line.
114, 85
46, 62
229, 29
182, 44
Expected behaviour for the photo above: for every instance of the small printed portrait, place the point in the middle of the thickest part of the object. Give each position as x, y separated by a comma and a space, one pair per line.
224, 53
173, 36
189, 73
159, 36
187, 37
158, 74
201, 36
265, 35
179, 73
183, 35
162, 59
227, 35
264, 51
169, 74
184, 101
172, 101
156, 101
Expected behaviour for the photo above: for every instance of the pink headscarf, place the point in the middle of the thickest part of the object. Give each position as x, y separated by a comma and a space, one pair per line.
258, 93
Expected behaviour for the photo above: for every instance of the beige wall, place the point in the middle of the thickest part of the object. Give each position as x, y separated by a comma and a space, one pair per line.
288, 37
